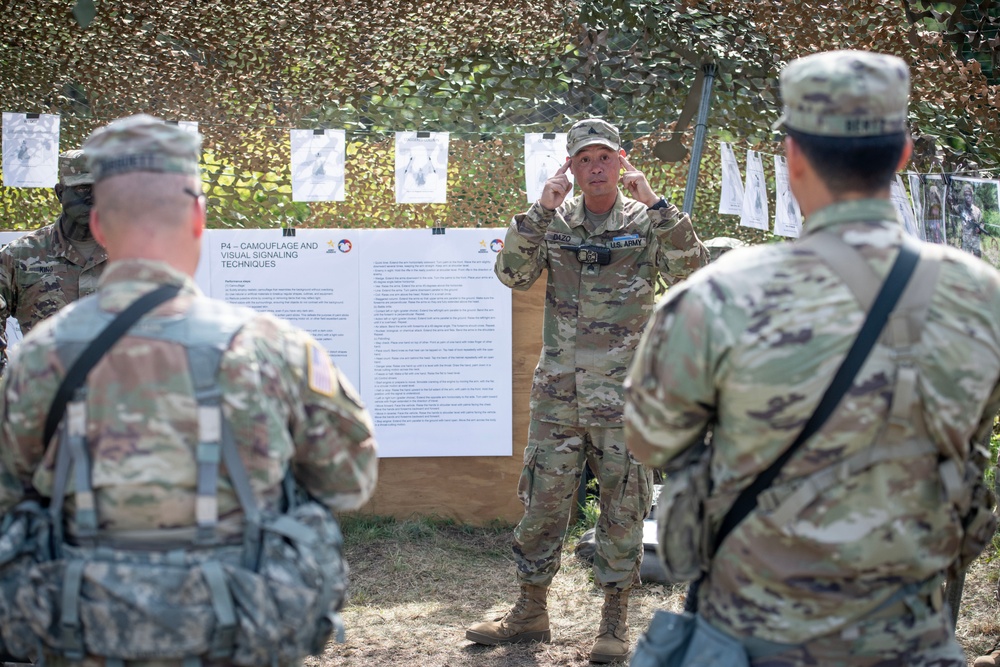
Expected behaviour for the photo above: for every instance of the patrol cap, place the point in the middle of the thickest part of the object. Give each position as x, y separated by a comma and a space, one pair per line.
592, 131
142, 143
845, 94
73, 169
720, 245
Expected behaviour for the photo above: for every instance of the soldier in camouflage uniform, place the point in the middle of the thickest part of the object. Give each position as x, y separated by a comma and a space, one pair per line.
43, 271
288, 406
603, 251
841, 562
972, 222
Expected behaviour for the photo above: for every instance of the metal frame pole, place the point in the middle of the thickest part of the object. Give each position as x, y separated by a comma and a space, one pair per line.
699, 136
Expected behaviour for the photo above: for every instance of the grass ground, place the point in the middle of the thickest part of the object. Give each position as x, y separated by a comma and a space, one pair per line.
416, 585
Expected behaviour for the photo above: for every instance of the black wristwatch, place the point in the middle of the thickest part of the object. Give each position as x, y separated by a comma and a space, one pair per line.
658, 205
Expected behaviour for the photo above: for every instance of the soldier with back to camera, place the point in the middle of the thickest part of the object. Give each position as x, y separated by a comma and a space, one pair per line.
841, 558
199, 460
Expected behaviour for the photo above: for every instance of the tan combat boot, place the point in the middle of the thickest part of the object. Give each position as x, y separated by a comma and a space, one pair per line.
612, 637
527, 621
991, 660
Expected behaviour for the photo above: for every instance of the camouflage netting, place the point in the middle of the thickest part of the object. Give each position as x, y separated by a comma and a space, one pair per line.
485, 71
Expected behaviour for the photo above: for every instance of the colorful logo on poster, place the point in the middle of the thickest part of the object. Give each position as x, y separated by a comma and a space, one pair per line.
344, 245
496, 245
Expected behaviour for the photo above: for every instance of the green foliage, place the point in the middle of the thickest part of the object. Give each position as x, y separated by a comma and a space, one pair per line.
587, 514
991, 220
486, 73
991, 483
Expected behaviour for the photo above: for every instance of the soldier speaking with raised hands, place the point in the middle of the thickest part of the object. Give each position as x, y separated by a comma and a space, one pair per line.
603, 251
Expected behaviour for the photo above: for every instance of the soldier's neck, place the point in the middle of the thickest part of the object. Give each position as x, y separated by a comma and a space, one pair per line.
600, 205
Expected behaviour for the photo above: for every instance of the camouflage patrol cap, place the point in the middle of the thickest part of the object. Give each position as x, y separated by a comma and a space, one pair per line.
73, 169
142, 143
592, 131
720, 245
845, 94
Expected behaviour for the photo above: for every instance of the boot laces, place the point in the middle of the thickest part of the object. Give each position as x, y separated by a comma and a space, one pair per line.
612, 616
519, 606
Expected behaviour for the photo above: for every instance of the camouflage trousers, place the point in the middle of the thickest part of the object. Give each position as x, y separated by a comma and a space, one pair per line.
553, 466
914, 633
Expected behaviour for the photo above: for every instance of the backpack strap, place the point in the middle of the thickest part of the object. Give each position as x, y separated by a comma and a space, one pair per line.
72, 451
77, 373
72, 454
894, 284
215, 439
902, 334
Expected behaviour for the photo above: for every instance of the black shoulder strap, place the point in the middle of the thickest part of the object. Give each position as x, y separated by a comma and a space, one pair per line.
77, 373
892, 288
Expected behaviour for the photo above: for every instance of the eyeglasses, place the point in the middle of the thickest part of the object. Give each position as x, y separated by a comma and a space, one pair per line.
196, 195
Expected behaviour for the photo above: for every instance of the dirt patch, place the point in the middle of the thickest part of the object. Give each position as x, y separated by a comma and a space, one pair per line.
416, 586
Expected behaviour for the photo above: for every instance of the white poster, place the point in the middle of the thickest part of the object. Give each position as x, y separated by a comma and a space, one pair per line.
731, 201
917, 201
902, 203
30, 150
421, 167
318, 158
13, 328
931, 190
971, 211
418, 323
787, 216
310, 279
7, 237
436, 340
754, 210
544, 154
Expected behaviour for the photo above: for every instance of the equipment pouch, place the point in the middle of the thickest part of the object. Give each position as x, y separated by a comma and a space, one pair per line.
271, 601
979, 523
684, 535
25, 539
686, 640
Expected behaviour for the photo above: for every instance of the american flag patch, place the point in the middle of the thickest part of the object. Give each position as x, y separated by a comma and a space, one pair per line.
321, 377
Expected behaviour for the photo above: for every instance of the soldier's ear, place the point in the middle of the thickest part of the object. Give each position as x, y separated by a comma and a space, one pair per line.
904, 159
95, 228
59, 190
795, 160
199, 218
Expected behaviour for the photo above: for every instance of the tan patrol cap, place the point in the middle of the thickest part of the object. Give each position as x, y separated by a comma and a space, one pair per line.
142, 143
845, 94
592, 131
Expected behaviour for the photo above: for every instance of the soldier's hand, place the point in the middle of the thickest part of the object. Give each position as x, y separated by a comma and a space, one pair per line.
556, 188
635, 183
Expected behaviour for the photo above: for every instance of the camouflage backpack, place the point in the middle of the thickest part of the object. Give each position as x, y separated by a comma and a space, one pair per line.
179, 594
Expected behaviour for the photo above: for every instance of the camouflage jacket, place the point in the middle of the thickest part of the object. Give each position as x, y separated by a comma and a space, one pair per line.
286, 402
748, 347
594, 314
40, 273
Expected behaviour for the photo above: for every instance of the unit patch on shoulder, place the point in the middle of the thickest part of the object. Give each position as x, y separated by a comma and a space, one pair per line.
322, 378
